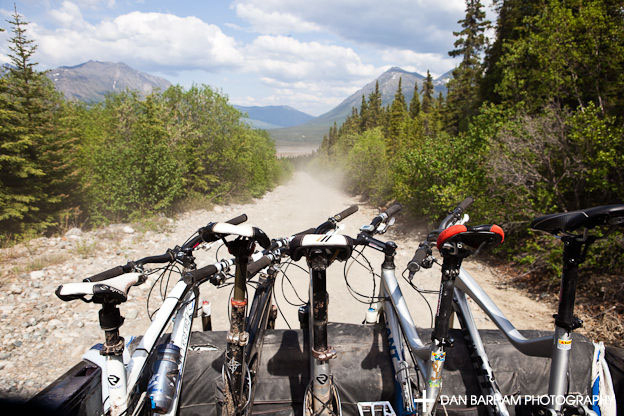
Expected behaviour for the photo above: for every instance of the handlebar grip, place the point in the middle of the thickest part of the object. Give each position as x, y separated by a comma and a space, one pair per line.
107, 274
344, 214
465, 203
238, 220
203, 273
422, 252
258, 265
393, 210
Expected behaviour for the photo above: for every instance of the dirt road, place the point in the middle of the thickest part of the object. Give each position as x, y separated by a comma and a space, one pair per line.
41, 337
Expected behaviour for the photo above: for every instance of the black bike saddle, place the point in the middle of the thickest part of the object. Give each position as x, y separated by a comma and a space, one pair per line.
585, 218
472, 237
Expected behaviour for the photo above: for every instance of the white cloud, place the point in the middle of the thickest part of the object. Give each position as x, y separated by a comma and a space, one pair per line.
272, 22
422, 25
286, 58
68, 15
412, 61
147, 40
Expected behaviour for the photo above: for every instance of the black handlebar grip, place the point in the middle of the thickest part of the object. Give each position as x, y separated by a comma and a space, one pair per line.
344, 214
393, 210
107, 274
422, 252
258, 265
203, 273
465, 203
238, 220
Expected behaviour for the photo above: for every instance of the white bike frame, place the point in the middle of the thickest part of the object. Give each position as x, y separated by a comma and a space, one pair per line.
120, 380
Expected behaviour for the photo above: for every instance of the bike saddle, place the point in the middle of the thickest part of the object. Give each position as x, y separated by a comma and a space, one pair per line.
339, 245
585, 218
471, 237
217, 230
113, 290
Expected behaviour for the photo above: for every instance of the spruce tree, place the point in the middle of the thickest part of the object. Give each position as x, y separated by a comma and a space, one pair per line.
33, 163
463, 97
398, 114
427, 94
364, 115
414, 108
374, 107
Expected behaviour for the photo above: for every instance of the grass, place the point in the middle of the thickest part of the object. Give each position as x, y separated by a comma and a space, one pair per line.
156, 223
85, 249
40, 262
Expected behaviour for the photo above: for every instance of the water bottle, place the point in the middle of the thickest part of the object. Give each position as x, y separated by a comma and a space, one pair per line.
162, 386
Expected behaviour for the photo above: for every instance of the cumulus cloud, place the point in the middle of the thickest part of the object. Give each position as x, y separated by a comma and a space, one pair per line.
409, 60
422, 25
149, 40
272, 22
289, 59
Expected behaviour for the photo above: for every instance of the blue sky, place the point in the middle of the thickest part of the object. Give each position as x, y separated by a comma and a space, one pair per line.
307, 54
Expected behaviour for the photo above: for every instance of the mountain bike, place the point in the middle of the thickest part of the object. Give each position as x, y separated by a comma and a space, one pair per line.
459, 283
129, 386
321, 247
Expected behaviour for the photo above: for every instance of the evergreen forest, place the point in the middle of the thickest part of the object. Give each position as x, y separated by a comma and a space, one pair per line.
533, 123
65, 163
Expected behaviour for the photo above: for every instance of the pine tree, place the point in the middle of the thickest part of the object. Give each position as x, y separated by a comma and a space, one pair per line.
374, 107
33, 164
414, 108
463, 89
364, 115
427, 94
398, 115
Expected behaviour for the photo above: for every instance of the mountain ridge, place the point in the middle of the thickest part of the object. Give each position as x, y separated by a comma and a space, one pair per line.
277, 116
313, 130
90, 81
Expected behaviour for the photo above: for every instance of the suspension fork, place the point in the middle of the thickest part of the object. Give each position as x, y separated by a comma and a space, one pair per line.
238, 337
439, 336
321, 352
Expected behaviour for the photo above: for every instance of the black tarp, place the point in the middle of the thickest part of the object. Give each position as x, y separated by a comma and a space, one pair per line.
363, 370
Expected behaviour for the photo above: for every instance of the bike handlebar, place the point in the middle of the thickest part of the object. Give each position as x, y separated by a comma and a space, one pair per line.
256, 266
424, 249
456, 214
386, 215
162, 258
202, 273
345, 213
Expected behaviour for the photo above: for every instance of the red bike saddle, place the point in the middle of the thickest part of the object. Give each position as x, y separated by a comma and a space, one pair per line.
473, 237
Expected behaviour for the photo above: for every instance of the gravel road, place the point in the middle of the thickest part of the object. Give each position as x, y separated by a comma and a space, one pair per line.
41, 337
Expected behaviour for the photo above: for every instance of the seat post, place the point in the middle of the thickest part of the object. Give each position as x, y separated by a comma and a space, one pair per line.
574, 248
110, 321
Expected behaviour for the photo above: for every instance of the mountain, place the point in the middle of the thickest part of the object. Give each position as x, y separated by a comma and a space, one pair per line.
313, 130
273, 116
92, 80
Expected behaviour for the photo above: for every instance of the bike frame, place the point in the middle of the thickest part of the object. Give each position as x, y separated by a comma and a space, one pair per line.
403, 338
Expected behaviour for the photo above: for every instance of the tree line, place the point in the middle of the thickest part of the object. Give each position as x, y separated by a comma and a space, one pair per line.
532, 123
66, 163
